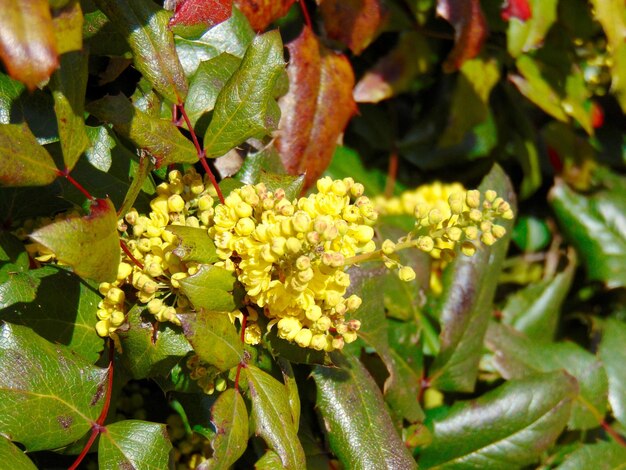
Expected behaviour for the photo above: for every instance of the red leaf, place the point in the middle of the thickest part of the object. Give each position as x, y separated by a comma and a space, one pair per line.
353, 22
261, 13
470, 30
597, 115
209, 12
317, 107
519, 9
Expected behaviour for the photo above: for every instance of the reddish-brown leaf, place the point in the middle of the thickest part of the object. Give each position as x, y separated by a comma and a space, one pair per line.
317, 107
209, 12
353, 22
27, 43
470, 30
261, 13
519, 9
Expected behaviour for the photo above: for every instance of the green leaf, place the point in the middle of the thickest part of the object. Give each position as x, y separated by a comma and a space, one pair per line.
269, 461
134, 444
68, 26
246, 106
272, 415
24, 161
72, 238
206, 84
346, 162
358, 428
194, 244
516, 356
291, 184
230, 418
531, 234
595, 225
210, 289
102, 36
143, 356
524, 36
145, 26
232, 36
46, 384
466, 302
291, 387
256, 164
534, 310
613, 354
610, 455
214, 338
508, 427
11, 453
12, 251
68, 319
68, 85
160, 138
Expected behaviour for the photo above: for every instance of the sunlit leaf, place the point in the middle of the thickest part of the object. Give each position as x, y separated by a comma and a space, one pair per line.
68, 27
11, 453
610, 455
261, 13
191, 16
194, 244
527, 32
230, 418
210, 288
134, 444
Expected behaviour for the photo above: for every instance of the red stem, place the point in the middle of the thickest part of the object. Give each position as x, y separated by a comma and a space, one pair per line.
201, 157
129, 254
66, 174
98, 426
610, 431
305, 13
241, 364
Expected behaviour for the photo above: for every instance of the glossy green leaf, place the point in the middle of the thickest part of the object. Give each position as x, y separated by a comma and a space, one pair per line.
214, 338
524, 36
230, 418
246, 106
534, 310
465, 306
160, 138
605, 455
291, 387
11, 453
71, 238
595, 225
210, 288
31, 298
24, 161
68, 85
134, 444
269, 461
232, 36
145, 26
516, 356
508, 427
613, 355
150, 351
255, 165
292, 185
359, 430
194, 244
206, 84
102, 36
531, 234
48, 384
272, 416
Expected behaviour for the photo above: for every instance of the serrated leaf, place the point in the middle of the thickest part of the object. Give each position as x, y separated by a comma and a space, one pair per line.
261, 13
24, 161
134, 444
68, 27
508, 427
150, 353
11, 453
465, 306
27, 44
68, 319
516, 356
534, 310
47, 383
214, 338
356, 23
68, 85
72, 238
595, 225
145, 26
271, 413
526, 34
210, 289
246, 106
613, 354
358, 428
605, 455
230, 418
232, 36
316, 108
160, 138
194, 244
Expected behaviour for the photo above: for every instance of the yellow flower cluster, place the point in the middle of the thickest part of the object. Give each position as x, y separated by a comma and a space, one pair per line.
150, 265
290, 257
435, 195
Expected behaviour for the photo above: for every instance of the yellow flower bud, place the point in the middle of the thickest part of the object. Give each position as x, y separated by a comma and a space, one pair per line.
116, 296
471, 232
364, 233
498, 231
487, 238
324, 184
123, 271
117, 318
102, 328
406, 273
388, 247
131, 216
435, 217
103, 313
303, 262
353, 302
339, 188
468, 248
454, 233
472, 198
357, 190
323, 323
456, 203
155, 306
350, 337
205, 202
490, 195
303, 338
475, 215
318, 342
104, 287
314, 312
176, 278
244, 227
425, 244
175, 203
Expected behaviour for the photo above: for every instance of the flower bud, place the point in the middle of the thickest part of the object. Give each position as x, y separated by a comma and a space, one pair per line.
303, 338
388, 247
406, 273
425, 244
472, 198
468, 248
498, 231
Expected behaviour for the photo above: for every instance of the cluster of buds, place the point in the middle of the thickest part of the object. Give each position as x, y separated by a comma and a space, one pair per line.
36, 250
291, 257
191, 449
206, 376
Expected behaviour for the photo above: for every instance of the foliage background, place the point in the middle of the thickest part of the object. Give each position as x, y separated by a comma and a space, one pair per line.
517, 359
